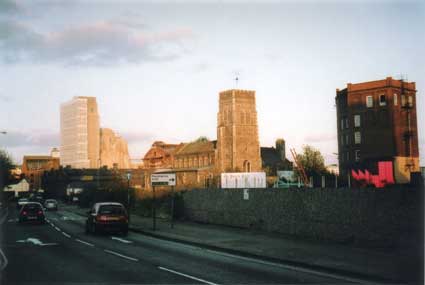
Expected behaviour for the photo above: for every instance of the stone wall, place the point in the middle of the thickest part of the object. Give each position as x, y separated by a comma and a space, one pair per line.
366, 216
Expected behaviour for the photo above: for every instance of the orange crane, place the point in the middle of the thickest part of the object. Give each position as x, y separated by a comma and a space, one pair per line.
300, 168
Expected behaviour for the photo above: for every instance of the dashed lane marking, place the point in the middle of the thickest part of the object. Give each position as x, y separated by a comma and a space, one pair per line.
65, 234
120, 255
84, 242
121, 240
187, 276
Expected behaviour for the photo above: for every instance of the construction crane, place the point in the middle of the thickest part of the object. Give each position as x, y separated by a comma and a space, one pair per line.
300, 168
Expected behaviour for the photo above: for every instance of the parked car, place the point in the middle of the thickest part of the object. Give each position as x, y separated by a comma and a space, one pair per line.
51, 205
32, 212
21, 202
107, 217
37, 198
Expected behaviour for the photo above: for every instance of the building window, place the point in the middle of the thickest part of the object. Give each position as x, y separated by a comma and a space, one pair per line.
348, 156
342, 139
346, 123
347, 139
403, 100
342, 124
369, 101
382, 100
357, 120
395, 99
357, 155
410, 101
357, 138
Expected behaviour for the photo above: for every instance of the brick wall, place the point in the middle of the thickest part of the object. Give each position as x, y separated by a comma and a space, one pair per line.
362, 216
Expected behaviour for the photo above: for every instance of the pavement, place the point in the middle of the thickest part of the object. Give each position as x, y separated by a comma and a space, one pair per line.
60, 252
373, 264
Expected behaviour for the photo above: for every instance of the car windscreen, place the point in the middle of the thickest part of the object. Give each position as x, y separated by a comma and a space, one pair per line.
111, 210
32, 207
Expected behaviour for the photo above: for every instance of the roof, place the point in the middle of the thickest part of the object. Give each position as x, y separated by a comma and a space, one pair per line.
44, 157
195, 147
270, 156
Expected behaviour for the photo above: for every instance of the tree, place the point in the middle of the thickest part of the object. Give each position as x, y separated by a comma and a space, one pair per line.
312, 161
6, 166
202, 139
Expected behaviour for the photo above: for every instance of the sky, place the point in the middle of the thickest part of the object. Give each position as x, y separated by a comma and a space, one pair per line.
156, 68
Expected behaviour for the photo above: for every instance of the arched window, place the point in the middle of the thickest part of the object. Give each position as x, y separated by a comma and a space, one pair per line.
247, 166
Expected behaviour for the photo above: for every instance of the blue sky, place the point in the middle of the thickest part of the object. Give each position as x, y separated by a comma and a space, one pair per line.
156, 69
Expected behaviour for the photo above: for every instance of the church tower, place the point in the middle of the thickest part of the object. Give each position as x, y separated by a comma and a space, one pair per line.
238, 147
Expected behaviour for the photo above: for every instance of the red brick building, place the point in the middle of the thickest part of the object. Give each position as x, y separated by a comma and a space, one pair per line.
33, 167
377, 122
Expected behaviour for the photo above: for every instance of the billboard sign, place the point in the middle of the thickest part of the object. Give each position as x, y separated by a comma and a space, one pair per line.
243, 180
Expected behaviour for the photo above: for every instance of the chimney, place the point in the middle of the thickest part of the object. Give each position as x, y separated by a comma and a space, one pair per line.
280, 147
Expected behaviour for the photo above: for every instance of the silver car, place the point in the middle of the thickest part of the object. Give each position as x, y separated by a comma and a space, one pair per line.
51, 205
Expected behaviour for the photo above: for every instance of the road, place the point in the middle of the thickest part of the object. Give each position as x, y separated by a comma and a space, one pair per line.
60, 252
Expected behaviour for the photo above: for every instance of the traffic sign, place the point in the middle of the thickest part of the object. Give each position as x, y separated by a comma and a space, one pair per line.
163, 179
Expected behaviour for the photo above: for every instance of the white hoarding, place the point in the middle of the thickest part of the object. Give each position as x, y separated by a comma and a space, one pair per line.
163, 179
243, 180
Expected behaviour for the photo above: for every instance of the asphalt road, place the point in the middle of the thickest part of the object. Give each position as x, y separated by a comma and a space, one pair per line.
60, 252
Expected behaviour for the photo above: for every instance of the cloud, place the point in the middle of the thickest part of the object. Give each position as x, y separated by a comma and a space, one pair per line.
32, 138
9, 6
318, 138
99, 43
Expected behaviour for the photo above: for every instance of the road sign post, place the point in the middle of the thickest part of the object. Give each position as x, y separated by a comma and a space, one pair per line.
162, 179
172, 206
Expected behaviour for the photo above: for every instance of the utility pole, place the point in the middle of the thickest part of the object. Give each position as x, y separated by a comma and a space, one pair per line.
128, 194
153, 209
172, 206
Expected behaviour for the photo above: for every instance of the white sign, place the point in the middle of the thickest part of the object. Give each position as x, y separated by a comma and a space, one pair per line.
246, 194
243, 180
163, 179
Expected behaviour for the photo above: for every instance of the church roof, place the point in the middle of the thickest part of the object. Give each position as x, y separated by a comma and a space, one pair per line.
195, 147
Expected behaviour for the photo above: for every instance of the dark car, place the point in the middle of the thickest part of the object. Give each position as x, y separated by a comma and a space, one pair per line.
21, 202
51, 205
32, 212
107, 217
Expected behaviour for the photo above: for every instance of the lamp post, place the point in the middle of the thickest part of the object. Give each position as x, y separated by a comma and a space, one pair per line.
128, 194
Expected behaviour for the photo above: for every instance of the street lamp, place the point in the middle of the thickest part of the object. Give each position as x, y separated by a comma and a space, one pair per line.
128, 193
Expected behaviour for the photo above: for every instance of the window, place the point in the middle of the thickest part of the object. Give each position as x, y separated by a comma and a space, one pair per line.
369, 101
342, 124
342, 139
347, 139
357, 155
382, 100
348, 156
395, 99
346, 123
410, 101
357, 120
403, 100
357, 138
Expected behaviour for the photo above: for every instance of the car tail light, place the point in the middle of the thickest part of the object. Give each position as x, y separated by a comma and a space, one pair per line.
39, 212
24, 213
124, 218
102, 218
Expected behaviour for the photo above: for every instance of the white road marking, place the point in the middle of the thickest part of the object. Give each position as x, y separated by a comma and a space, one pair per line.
65, 234
84, 242
5, 261
296, 268
56, 228
188, 276
35, 241
120, 255
121, 240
